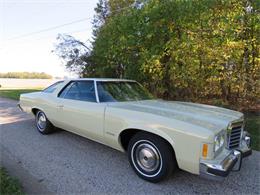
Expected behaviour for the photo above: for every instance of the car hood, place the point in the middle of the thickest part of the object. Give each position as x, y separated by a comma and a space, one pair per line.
210, 117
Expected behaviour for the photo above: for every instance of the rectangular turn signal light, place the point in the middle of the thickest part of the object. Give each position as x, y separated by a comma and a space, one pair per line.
205, 150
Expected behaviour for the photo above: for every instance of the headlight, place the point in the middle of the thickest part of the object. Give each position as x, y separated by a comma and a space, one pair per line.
247, 138
219, 141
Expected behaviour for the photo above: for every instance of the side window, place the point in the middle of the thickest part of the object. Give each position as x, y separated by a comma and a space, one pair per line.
53, 87
80, 90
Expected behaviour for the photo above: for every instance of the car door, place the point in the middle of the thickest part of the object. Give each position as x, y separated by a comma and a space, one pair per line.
78, 111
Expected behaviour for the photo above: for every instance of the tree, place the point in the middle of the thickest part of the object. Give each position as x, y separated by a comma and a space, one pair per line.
193, 50
183, 49
74, 53
102, 12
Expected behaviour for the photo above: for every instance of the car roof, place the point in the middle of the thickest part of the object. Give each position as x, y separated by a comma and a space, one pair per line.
102, 79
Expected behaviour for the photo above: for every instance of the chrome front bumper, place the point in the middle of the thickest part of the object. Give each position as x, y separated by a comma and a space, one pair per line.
232, 162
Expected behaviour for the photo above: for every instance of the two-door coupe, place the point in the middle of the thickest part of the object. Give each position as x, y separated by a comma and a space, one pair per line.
159, 136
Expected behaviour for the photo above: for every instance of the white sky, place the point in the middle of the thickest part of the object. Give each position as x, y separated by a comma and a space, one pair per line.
33, 53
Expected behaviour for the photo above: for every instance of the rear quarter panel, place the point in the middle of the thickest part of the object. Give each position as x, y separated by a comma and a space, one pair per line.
39, 100
28, 101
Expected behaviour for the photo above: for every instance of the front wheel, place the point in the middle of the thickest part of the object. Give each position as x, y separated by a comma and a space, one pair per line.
151, 157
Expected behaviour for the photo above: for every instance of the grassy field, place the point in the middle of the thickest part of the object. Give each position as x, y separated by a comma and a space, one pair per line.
15, 93
252, 120
253, 127
9, 185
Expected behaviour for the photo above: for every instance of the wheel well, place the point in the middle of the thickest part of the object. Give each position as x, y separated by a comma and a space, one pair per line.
34, 110
126, 135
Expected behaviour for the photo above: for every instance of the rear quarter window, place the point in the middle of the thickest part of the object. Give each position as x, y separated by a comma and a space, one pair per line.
53, 87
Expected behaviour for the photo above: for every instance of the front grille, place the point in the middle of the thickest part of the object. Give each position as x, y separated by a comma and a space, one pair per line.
234, 134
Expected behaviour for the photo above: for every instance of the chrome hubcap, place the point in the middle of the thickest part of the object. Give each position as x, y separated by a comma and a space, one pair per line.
41, 121
147, 157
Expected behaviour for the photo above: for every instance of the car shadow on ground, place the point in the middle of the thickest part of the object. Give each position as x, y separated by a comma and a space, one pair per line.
66, 162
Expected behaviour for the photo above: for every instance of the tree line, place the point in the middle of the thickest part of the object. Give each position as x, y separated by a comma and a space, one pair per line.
26, 75
179, 49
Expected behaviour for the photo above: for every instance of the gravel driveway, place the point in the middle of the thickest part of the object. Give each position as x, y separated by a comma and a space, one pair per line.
64, 163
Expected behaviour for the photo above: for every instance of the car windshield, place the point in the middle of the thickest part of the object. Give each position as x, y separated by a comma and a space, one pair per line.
119, 91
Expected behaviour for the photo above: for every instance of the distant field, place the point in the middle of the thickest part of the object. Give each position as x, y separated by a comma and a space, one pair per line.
25, 83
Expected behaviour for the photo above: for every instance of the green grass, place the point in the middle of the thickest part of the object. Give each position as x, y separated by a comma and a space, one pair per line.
15, 93
9, 185
253, 127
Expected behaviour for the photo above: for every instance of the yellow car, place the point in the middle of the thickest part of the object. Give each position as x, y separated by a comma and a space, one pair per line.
159, 136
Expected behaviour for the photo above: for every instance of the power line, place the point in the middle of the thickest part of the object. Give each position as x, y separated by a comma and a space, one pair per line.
48, 29
69, 32
59, 26
41, 38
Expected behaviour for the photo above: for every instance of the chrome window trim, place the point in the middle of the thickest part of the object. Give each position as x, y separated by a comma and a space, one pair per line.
96, 91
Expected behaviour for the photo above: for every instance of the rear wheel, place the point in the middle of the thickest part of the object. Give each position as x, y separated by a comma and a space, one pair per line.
43, 125
151, 157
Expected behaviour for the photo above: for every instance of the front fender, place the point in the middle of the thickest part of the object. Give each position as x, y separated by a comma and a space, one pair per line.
148, 129
186, 139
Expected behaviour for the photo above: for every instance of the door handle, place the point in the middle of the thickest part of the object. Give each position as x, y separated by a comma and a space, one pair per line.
60, 106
